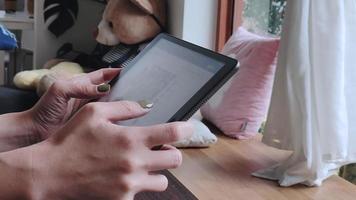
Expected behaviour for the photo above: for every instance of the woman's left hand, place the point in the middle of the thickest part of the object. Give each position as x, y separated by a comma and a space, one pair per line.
65, 97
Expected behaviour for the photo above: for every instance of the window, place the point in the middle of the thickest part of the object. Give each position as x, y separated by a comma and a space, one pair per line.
259, 16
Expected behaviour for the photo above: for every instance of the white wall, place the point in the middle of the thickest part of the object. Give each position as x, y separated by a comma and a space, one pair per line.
194, 21
176, 17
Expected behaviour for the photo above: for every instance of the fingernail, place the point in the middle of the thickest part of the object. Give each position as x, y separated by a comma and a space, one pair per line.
103, 88
145, 104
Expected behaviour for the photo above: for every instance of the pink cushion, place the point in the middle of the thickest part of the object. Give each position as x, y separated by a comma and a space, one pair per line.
240, 107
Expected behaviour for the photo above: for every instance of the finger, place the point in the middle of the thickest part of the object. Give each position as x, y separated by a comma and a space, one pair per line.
165, 133
154, 183
119, 110
167, 147
82, 87
85, 86
127, 196
79, 103
163, 159
103, 75
79, 88
85, 90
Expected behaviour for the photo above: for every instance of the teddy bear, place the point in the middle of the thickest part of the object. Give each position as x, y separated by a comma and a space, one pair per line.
125, 26
116, 26
41, 79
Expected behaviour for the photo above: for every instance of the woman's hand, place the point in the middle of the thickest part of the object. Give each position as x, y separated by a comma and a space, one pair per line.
53, 110
93, 158
65, 97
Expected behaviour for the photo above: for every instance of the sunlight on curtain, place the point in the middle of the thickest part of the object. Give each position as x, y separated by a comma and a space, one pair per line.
313, 101
266, 17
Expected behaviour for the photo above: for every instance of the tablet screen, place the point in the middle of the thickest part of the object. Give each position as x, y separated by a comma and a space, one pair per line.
168, 75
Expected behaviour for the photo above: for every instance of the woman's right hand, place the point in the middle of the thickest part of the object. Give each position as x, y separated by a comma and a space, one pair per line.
93, 158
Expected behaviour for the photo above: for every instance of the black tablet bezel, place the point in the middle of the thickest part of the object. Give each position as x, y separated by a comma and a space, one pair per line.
209, 88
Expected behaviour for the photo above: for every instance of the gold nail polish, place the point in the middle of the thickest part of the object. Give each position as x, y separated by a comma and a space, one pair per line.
145, 104
103, 88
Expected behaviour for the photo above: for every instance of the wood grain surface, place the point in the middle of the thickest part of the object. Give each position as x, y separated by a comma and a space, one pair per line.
223, 171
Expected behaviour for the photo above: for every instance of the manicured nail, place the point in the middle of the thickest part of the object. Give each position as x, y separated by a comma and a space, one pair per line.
145, 104
103, 88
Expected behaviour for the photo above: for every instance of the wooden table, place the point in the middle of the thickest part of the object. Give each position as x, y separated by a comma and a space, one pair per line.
223, 172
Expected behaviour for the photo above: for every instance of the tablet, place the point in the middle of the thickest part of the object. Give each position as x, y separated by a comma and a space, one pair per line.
176, 76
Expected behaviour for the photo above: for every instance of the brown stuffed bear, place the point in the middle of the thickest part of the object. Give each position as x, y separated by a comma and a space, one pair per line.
124, 21
131, 21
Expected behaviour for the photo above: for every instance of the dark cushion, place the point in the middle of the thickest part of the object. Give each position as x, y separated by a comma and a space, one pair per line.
15, 100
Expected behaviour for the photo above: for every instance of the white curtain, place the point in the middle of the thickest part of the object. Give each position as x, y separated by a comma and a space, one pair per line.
313, 107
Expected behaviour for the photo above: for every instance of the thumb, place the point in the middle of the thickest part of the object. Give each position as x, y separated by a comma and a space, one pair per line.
87, 90
92, 85
79, 89
86, 86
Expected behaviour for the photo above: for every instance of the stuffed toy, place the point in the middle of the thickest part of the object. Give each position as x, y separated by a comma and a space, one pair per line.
116, 28
125, 26
148, 17
41, 79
